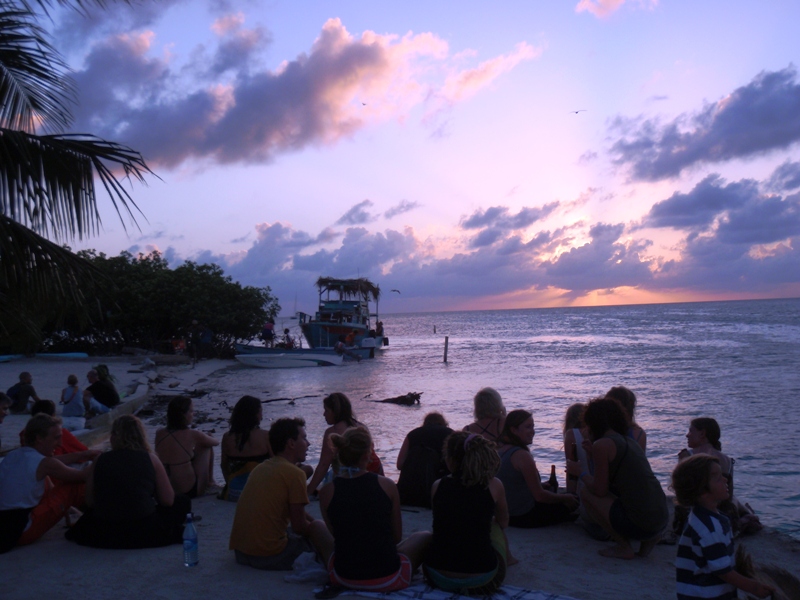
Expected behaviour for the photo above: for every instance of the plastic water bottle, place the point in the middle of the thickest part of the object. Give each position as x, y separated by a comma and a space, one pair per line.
190, 558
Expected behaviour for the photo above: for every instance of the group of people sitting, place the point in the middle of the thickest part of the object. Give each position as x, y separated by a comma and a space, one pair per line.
478, 482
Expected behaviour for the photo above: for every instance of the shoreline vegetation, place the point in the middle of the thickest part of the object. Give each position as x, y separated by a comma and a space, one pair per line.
560, 560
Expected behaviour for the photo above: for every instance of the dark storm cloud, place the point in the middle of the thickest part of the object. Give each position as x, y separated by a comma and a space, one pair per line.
357, 215
602, 263
499, 217
785, 178
742, 214
403, 206
699, 208
757, 118
130, 97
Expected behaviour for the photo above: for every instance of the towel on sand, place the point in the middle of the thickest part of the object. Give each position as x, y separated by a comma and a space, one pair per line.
421, 591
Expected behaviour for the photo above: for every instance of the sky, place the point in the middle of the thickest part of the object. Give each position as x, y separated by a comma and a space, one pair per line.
471, 155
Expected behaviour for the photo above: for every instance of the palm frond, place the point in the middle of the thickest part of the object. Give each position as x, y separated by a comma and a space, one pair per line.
47, 182
34, 85
34, 271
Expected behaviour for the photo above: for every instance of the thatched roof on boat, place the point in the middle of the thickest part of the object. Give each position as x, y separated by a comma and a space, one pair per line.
349, 287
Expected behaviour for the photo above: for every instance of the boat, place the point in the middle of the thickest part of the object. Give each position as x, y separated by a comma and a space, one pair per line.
351, 352
279, 358
344, 310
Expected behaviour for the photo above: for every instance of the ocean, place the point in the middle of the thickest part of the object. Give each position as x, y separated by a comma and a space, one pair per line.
738, 362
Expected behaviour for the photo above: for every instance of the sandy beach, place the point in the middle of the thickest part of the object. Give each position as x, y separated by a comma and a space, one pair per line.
560, 559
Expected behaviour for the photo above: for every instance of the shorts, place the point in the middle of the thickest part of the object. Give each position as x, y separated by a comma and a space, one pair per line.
624, 526
295, 546
399, 580
481, 584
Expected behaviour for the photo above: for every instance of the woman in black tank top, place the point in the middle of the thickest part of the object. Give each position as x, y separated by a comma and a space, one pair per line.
362, 511
469, 552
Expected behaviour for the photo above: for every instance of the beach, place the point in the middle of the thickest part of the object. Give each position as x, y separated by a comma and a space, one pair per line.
559, 560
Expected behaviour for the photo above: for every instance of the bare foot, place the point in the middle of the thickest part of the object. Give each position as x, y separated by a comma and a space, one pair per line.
72, 516
512, 560
623, 551
647, 546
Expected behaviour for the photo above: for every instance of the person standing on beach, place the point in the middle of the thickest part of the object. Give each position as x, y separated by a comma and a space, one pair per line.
22, 393
100, 396
271, 527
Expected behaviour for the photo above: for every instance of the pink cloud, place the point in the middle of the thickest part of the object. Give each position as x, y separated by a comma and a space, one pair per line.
603, 8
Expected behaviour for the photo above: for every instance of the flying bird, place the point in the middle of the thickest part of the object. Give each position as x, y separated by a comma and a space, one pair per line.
398, 291
578, 111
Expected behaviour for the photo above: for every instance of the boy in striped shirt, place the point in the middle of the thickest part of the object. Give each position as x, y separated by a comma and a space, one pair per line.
704, 567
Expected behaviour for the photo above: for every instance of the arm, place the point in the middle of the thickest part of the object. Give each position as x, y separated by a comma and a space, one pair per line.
165, 495
299, 519
78, 457
751, 586
498, 492
569, 441
325, 460
604, 452
325, 495
402, 455
204, 440
642, 440
52, 467
524, 463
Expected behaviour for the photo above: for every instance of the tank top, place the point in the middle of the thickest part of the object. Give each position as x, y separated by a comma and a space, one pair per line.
360, 513
124, 485
632, 480
519, 497
462, 522
18, 485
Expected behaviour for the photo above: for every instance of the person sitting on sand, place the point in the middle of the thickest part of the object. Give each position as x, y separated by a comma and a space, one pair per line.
704, 437
73, 408
421, 461
469, 551
274, 498
28, 507
489, 414
574, 435
22, 393
627, 400
69, 443
131, 501
187, 454
338, 414
623, 495
529, 504
243, 447
100, 396
705, 566
362, 511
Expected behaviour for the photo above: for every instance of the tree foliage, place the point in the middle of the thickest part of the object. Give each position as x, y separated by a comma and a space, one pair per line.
47, 182
139, 301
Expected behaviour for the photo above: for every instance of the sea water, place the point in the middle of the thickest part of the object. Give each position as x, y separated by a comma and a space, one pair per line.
738, 362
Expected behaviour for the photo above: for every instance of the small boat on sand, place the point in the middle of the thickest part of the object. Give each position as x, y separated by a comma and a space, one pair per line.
278, 358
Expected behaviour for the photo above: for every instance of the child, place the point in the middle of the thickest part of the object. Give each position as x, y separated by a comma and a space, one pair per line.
704, 567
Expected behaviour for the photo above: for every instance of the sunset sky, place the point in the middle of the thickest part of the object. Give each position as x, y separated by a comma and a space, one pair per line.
472, 155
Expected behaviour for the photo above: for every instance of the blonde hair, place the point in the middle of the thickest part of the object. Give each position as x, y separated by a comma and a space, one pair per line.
474, 459
488, 404
38, 427
351, 446
127, 433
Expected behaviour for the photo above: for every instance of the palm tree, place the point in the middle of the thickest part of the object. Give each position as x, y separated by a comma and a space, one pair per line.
47, 176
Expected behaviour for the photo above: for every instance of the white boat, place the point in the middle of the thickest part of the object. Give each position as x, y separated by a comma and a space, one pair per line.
291, 359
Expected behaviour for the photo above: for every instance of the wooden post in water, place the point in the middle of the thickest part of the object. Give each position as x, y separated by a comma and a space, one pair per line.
446, 341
